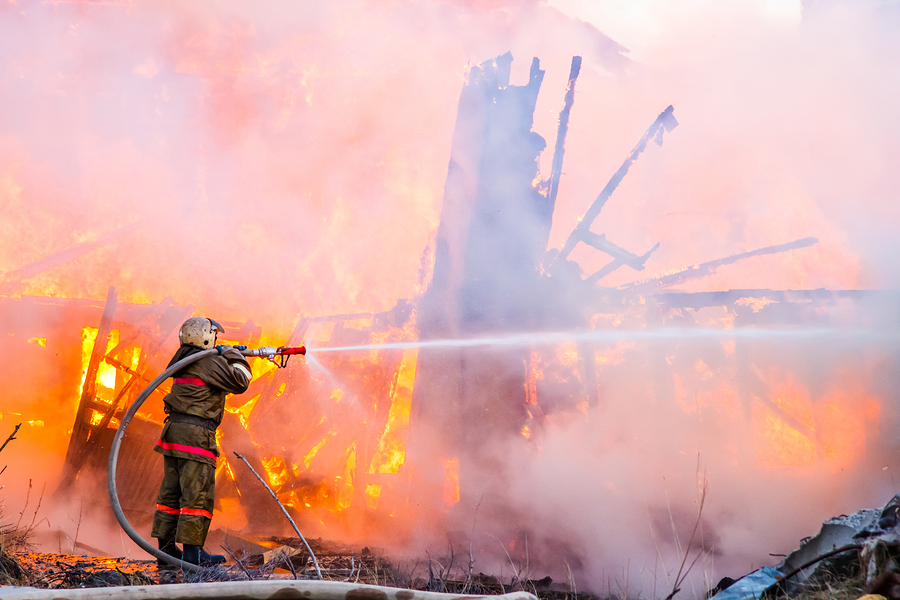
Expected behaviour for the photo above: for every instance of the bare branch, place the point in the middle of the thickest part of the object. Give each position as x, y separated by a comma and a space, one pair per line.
238, 563
11, 437
679, 578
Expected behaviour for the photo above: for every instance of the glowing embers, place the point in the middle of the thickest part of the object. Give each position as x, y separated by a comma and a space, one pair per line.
698, 387
555, 381
349, 415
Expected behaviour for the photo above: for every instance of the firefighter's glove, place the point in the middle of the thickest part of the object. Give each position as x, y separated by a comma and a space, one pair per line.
240, 348
222, 348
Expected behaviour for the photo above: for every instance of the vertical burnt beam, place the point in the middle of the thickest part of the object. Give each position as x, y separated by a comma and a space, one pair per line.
491, 239
81, 427
441, 373
504, 240
438, 310
561, 131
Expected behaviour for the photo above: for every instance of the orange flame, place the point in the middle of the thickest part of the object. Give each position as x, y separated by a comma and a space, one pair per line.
451, 481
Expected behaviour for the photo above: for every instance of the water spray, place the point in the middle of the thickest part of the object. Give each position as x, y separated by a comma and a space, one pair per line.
278, 356
654, 335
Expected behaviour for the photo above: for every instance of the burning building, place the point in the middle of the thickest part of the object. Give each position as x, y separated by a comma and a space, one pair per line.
532, 387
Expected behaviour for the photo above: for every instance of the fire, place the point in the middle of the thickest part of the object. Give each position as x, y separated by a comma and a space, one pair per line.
779, 444
373, 491
276, 470
797, 429
331, 433
106, 373
534, 373
344, 495
307, 460
567, 354
243, 411
451, 481
391, 451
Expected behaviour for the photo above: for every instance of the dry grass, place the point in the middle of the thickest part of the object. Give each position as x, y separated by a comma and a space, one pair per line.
830, 588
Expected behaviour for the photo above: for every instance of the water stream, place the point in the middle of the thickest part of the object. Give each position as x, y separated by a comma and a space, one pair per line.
854, 336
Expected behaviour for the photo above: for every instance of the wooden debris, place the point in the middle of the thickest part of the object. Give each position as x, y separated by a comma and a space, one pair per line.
563, 128
704, 269
664, 122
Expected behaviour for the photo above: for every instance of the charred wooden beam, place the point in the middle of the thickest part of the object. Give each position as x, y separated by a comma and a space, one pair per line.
560, 148
664, 122
625, 257
698, 300
704, 269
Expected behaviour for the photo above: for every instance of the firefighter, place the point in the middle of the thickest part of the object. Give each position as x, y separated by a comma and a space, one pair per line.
188, 441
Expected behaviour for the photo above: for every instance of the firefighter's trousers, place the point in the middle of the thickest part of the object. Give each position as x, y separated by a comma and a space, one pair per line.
184, 505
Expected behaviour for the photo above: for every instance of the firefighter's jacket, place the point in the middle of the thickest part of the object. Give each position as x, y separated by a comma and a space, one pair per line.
199, 390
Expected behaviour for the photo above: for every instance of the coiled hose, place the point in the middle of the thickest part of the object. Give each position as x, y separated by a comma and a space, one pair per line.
114, 457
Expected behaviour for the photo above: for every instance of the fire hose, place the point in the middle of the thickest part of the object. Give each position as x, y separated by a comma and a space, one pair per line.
283, 354
247, 590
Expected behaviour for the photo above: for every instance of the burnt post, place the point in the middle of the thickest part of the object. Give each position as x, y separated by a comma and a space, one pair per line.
494, 221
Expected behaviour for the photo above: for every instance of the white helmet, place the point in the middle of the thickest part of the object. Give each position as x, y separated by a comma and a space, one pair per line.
200, 331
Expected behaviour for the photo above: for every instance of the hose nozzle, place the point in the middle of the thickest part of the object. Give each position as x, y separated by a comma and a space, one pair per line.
270, 352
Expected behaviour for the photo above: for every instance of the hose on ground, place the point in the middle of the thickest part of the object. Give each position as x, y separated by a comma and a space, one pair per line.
249, 590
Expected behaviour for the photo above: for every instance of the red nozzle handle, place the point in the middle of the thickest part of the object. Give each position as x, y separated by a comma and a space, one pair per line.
296, 350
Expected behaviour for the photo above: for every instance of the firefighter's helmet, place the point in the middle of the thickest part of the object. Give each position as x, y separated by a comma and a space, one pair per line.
200, 331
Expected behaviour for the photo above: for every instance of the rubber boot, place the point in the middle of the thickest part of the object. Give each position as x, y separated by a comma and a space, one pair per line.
196, 555
211, 559
168, 546
191, 554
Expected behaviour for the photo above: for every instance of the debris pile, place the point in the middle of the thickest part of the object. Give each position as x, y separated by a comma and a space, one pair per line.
848, 547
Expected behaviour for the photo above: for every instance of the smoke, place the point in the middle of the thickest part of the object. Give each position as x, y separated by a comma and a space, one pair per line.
289, 159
